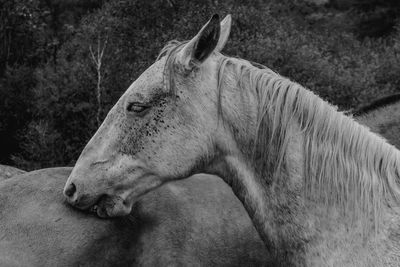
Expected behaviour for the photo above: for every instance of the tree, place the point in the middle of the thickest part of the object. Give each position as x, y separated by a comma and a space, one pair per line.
97, 58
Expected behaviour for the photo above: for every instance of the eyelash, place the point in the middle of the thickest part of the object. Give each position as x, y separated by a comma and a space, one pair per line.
137, 108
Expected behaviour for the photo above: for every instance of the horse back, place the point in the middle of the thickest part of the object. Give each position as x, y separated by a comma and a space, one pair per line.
383, 117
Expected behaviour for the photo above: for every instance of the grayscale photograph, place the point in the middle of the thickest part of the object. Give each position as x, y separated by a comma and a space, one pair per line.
199, 133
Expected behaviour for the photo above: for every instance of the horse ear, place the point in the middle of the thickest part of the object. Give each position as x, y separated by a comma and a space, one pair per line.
198, 49
226, 24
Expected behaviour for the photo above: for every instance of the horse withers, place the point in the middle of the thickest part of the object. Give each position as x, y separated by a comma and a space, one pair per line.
7, 172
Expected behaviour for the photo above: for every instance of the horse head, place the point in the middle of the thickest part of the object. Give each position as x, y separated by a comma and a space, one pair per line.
164, 127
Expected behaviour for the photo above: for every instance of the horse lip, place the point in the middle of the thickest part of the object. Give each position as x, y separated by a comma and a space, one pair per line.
94, 208
83, 206
90, 207
111, 206
102, 205
84, 202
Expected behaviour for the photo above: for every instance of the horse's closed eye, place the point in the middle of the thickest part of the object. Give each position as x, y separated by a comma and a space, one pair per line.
137, 108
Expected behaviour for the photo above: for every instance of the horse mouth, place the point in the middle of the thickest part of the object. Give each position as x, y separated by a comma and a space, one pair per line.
111, 206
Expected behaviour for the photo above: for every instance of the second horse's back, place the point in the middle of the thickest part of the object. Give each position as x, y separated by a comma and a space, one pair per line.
382, 116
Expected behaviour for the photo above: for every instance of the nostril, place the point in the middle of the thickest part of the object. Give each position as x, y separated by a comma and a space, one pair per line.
70, 190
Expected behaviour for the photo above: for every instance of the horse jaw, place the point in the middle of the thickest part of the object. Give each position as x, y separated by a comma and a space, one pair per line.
115, 185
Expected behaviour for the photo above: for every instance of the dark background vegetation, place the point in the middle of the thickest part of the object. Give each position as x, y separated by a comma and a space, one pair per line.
348, 51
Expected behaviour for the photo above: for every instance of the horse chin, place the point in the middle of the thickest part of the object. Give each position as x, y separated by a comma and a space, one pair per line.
108, 207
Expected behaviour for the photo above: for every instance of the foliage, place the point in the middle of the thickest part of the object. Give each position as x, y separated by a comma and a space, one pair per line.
376, 17
312, 44
15, 111
31, 32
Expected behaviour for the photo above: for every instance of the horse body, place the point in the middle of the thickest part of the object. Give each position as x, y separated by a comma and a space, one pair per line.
173, 225
320, 188
8, 171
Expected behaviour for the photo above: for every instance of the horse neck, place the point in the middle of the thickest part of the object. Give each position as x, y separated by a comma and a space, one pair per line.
299, 154
271, 210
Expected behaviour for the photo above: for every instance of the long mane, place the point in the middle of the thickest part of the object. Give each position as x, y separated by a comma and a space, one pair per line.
345, 164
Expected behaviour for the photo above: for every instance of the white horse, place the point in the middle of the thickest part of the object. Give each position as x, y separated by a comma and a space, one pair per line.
8, 171
320, 188
171, 226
